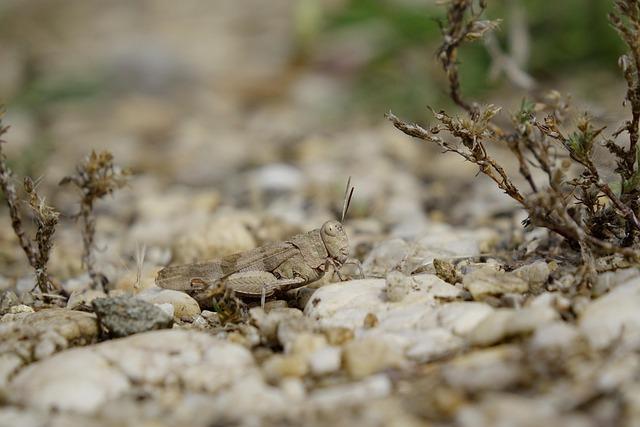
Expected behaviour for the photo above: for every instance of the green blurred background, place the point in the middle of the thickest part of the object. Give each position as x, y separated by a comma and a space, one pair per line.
367, 56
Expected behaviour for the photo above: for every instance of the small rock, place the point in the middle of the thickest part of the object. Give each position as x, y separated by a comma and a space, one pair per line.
81, 299
55, 382
338, 335
20, 309
369, 355
281, 366
505, 323
386, 256
168, 308
612, 317
184, 307
555, 336
365, 391
370, 321
33, 336
292, 332
77, 284
398, 286
85, 379
270, 305
346, 304
124, 315
7, 300
435, 287
446, 271
486, 282
462, 317
325, 360
433, 344
306, 343
268, 323
508, 409
536, 274
491, 369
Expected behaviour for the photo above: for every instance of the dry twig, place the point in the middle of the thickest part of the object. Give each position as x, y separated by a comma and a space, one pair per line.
96, 177
572, 208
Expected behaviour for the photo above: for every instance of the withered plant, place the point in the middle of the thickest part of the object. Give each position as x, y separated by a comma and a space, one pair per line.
96, 177
596, 218
46, 220
44, 217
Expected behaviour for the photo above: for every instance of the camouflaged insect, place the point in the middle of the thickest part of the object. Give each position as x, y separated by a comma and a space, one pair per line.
269, 269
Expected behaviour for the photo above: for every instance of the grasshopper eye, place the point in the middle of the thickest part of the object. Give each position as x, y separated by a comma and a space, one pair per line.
332, 228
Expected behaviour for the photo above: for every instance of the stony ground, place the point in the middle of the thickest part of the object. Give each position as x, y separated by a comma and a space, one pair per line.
463, 318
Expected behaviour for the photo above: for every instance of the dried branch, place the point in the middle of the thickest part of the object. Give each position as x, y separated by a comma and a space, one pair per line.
11, 197
575, 209
96, 177
46, 219
462, 25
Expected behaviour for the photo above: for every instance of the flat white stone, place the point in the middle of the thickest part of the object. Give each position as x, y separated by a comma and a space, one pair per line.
614, 316
184, 307
84, 379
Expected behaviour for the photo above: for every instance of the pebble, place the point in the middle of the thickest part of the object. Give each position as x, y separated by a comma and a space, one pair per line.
7, 300
536, 273
366, 390
613, 317
85, 379
81, 299
20, 309
433, 344
184, 307
268, 323
369, 355
555, 336
325, 360
462, 317
502, 409
281, 366
495, 368
486, 282
505, 323
386, 256
126, 315
35, 336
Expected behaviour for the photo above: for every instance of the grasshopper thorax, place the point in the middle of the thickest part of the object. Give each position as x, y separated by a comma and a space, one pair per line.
335, 241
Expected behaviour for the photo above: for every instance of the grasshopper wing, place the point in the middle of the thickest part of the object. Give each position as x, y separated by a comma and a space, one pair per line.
198, 275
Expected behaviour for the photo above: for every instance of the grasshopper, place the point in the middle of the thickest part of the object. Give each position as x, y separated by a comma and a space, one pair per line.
267, 270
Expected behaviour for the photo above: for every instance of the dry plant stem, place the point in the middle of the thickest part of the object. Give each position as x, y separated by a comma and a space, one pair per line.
96, 177
487, 165
552, 131
46, 219
630, 32
569, 207
88, 235
626, 21
9, 191
453, 35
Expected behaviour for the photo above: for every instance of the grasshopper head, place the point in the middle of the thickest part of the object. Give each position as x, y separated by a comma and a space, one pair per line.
335, 241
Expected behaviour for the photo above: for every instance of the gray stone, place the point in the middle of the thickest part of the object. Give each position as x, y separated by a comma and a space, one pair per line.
486, 282
8, 299
125, 315
613, 317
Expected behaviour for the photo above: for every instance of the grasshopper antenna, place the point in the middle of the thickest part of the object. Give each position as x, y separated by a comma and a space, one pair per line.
348, 193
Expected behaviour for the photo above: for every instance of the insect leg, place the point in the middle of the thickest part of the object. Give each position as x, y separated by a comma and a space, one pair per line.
357, 263
259, 284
